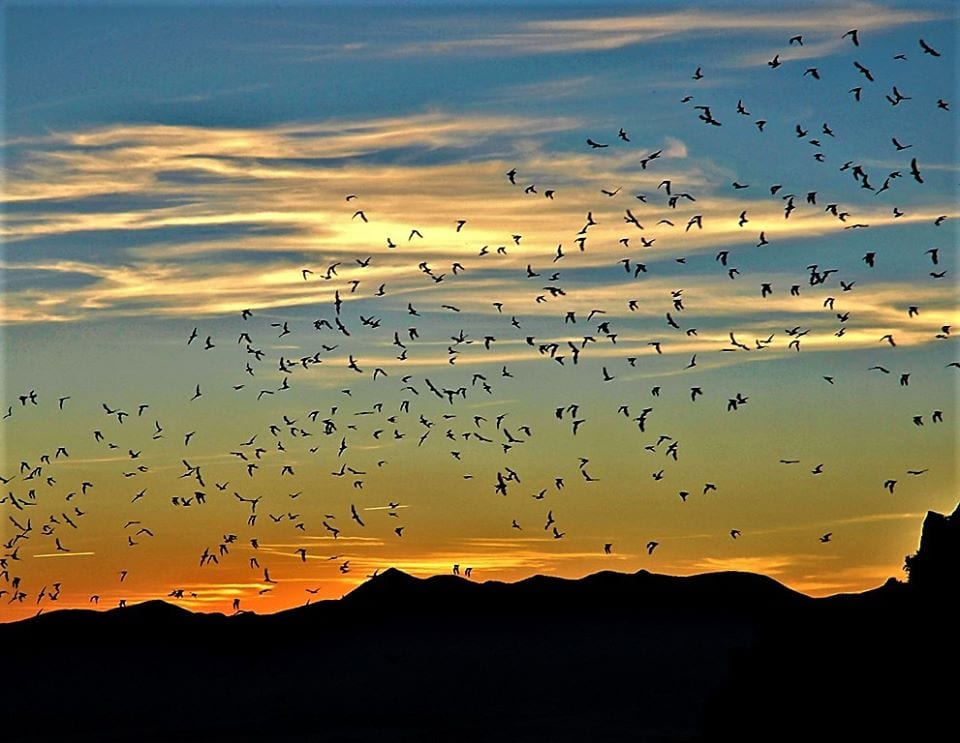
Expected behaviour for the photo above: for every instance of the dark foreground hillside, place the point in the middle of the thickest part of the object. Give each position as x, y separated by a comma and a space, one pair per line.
880, 665
729, 656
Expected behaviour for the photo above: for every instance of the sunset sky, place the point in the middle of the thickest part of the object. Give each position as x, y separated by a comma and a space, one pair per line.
167, 167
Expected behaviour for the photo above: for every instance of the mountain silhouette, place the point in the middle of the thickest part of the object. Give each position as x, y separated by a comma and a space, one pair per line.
640, 657
607, 591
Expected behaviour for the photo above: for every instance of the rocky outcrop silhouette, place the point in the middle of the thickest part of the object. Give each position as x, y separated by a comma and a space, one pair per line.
935, 567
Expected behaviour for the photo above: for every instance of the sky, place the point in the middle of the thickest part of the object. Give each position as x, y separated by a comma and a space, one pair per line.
293, 293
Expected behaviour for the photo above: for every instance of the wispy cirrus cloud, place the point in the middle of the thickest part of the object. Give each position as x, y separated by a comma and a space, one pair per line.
608, 32
247, 209
147, 150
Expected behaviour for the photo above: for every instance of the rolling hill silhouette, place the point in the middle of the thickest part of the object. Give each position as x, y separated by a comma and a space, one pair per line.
643, 657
